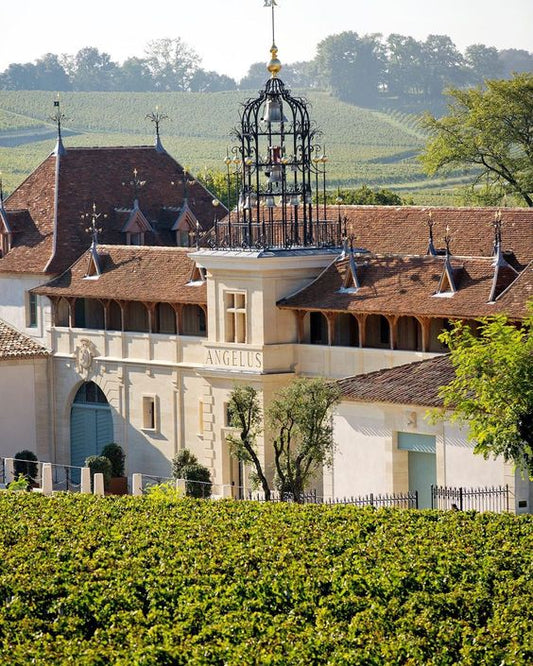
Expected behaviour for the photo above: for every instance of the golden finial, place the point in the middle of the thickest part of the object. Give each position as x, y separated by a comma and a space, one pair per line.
274, 66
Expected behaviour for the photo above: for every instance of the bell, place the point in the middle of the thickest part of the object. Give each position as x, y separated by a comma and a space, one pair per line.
275, 174
270, 202
294, 200
272, 112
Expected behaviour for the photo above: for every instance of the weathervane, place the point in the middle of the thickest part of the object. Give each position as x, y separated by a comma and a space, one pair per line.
136, 183
274, 65
57, 117
92, 228
447, 240
156, 117
497, 224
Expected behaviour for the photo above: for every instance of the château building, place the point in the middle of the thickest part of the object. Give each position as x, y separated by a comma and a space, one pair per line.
147, 302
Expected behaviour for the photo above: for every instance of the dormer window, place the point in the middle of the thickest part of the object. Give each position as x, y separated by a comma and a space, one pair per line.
135, 238
186, 227
5, 243
136, 227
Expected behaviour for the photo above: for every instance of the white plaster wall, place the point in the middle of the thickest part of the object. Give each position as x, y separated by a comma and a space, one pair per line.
24, 407
466, 469
13, 300
367, 459
361, 456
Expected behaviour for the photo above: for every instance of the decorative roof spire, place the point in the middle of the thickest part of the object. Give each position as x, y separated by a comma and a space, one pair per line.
57, 117
274, 66
498, 252
504, 273
136, 183
93, 229
447, 241
1, 192
431, 247
156, 117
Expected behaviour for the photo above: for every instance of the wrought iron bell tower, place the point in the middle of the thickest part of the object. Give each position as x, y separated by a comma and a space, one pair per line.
278, 168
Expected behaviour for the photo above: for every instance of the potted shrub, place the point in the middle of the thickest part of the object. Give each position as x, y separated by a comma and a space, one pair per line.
185, 465
99, 465
118, 484
26, 465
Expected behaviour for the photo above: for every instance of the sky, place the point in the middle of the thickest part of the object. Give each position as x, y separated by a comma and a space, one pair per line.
229, 35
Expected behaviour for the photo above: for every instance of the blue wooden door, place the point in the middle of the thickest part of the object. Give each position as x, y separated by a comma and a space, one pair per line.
422, 475
91, 424
422, 464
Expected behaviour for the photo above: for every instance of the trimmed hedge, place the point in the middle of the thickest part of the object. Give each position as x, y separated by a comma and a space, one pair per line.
87, 580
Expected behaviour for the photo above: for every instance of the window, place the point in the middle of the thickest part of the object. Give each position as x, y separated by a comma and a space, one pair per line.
32, 311
235, 317
149, 420
135, 238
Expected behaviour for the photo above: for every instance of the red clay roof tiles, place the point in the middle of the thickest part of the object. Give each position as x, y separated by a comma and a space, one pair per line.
132, 273
404, 285
101, 176
14, 344
411, 384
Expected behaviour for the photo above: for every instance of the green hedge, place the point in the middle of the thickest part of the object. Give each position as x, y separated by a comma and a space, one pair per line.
86, 580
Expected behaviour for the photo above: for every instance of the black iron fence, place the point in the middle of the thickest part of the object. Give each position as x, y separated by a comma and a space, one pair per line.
407, 500
495, 498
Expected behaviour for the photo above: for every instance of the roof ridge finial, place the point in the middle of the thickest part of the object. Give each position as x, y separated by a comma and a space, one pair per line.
274, 66
57, 117
156, 117
447, 241
497, 250
1, 192
92, 228
431, 245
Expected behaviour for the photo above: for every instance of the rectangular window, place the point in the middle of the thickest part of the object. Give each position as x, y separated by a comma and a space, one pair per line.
32, 311
235, 317
149, 420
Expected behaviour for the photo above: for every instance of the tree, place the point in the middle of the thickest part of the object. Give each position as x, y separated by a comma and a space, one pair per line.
245, 414
300, 419
51, 74
172, 63
255, 77
91, 70
352, 67
20, 77
217, 183
489, 131
483, 62
185, 465
202, 81
514, 61
493, 387
364, 196
443, 66
135, 75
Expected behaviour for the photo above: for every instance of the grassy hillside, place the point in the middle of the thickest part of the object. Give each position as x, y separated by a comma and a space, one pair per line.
86, 580
364, 146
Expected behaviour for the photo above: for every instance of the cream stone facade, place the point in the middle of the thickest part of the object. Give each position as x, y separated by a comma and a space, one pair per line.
148, 339
368, 458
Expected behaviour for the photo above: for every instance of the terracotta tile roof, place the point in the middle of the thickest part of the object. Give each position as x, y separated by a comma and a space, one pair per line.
403, 285
14, 344
96, 175
404, 230
411, 384
132, 273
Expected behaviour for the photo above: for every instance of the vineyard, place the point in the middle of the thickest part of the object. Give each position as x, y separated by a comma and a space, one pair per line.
158, 580
364, 146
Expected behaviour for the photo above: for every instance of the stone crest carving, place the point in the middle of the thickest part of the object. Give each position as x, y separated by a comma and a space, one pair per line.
85, 353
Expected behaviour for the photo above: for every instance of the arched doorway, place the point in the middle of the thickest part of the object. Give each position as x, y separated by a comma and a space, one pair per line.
91, 423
